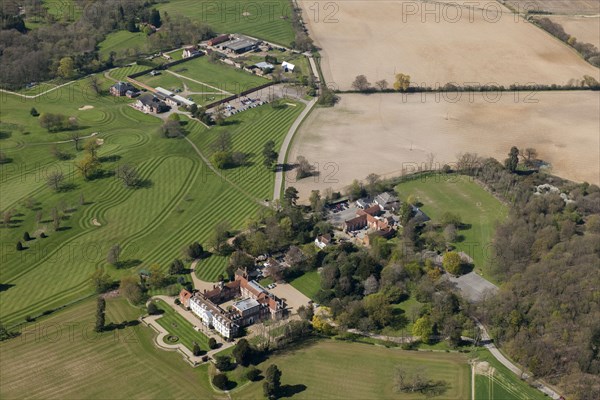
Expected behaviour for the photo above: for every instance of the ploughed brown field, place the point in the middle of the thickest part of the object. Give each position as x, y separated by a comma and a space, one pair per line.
436, 43
585, 28
386, 133
558, 6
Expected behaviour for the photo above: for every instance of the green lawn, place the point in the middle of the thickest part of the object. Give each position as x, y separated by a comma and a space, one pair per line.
262, 18
72, 362
461, 195
218, 74
502, 383
308, 284
331, 369
122, 41
122, 72
173, 322
182, 202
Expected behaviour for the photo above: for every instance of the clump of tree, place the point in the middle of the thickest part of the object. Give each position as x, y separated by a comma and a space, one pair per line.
361, 84
416, 380
327, 97
402, 82
57, 122
272, 384
130, 288
303, 168
171, 129
269, 154
194, 251
129, 175
220, 381
100, 314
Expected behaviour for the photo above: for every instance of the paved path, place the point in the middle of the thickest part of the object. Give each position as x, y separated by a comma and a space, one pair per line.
26, 96
220, 91
284, 148
190, 317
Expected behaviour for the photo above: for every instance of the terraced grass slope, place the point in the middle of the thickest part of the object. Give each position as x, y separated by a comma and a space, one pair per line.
120, 41
181, 201
62, 357
265, 19
478, 209
340, 370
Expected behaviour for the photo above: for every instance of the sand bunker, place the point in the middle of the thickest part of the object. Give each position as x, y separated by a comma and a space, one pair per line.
83, 108
96, 223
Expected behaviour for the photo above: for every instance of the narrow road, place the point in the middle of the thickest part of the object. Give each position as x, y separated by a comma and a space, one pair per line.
284, 148
26, 96
509, 364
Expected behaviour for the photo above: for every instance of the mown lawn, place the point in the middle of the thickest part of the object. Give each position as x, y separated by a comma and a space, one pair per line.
180, 201
478, 209
331, 369
264, 19
120, 41
62, 358
502, 383
173, 322
308, 284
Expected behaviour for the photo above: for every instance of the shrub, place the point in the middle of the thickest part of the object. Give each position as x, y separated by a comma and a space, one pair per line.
152, 309
212, 343
220, 381
253, 374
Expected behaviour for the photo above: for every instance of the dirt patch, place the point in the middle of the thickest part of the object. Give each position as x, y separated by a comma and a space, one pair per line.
83, 108
389, 133
483, 368
436, 43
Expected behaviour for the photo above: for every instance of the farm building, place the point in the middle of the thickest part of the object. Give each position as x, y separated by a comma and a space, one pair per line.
172, 99
191, 51
121, 88
387, 201
241, 44
218, 40
150, 103
287, 67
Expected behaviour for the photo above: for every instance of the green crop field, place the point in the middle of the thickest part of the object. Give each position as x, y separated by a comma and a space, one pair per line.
66, 359
478, 209
264, 19
173, 322
340, 370
502, 384
308, 284
120, 41
181, 202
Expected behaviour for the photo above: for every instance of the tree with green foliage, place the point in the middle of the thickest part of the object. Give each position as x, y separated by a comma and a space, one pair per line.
512, 162
26, 236
452, 263
406, 213
87, 166
196, 350
269, 154
253, 374
220, 381
176, 267
34, 112
423, 328
152, 309
222, 159
223, 363
155, 18
212, 343
242, 352
100, 314
194, 251
272, 384
20, 246
100, 280
157, 278
66, 68
131, 26
402, 82
290, 196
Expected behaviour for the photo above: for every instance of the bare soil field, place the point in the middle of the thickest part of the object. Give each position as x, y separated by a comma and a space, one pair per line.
391, 133
573, 7
436, 43
585, 28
